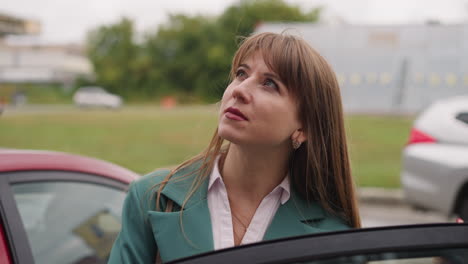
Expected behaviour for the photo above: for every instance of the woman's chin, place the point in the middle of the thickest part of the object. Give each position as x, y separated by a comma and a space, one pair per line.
228, 137
231, 136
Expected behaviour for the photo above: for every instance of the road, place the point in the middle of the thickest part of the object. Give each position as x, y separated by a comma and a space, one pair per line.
375, 214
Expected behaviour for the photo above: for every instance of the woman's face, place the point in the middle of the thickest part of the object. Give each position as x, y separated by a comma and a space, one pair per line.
257, 108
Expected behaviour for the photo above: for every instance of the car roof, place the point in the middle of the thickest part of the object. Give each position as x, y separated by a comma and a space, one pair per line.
27, 160
91, 89
439, 120
455, 102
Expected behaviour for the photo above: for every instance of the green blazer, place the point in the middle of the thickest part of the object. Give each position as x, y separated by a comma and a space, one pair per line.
145, 231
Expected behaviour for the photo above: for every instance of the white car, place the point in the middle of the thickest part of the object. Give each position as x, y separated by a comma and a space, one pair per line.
97, 97
435, 161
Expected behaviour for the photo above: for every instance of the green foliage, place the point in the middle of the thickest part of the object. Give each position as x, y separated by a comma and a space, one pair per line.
241, 19
184, 55
112, 51
188, 55
36, 93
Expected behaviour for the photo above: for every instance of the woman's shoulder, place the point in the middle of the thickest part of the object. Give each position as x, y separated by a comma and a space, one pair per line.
145, 189
181, 178
333, 222
141, 192
149, 180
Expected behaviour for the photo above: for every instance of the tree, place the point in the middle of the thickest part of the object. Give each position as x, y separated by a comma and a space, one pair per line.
193, 54
188, 55
178, 52
242, 18
111, 50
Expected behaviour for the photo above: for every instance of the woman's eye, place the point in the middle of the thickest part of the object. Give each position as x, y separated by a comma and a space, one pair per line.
271, 83
240, 74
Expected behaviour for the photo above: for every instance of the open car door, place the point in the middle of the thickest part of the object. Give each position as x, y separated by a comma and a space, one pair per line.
415, 244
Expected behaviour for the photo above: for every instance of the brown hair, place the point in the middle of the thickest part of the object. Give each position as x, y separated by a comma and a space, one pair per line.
320, 169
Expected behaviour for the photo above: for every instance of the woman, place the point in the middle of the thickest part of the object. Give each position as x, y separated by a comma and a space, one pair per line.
283, 172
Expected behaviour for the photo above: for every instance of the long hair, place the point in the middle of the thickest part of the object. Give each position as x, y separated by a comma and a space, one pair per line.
320, 168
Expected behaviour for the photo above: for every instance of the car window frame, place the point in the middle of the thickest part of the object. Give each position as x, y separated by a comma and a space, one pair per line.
15, 233
325, 245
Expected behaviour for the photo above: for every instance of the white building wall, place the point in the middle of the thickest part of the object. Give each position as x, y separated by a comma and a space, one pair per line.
41, 65
400, 68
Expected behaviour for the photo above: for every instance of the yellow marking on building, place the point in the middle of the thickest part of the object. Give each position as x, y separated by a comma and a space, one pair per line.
355, 79
434, 79
451, 79
385, 78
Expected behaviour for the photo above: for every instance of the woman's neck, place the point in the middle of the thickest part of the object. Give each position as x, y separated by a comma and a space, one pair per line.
253, 174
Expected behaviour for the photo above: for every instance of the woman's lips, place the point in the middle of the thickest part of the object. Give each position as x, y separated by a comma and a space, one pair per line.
235, 114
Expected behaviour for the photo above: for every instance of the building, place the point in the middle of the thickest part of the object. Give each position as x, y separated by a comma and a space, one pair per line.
38, 64
43, 64
390, 69
10, 25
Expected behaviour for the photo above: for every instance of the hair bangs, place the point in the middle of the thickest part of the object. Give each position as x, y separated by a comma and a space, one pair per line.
280, 53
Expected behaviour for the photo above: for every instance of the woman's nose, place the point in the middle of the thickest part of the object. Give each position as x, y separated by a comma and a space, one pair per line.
242, 91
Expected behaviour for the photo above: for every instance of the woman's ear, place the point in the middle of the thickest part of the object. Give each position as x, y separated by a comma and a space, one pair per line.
299, 136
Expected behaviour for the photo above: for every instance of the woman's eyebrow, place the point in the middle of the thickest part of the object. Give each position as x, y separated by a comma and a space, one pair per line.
267, 74
272, 75
244, 65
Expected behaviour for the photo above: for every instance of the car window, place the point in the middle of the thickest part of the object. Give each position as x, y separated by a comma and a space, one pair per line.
463, 117
69, 222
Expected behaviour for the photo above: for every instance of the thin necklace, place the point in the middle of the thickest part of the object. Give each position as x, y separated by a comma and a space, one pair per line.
238, 236
240, 222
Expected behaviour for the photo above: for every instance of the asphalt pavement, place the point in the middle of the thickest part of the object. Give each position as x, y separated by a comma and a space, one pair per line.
384, 207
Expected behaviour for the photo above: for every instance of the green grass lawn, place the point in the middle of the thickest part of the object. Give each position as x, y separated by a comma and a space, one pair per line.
375, 144
145, 138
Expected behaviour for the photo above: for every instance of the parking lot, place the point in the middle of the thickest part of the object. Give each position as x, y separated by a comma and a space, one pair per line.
374, 214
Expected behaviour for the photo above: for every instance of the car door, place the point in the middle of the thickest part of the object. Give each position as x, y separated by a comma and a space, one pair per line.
418, 244
5, 257
60, 217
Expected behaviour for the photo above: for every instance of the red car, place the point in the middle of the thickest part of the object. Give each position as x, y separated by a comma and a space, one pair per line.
59, 208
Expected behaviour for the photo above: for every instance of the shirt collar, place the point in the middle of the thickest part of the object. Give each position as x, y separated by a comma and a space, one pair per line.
284, 185
215, 174
286, 194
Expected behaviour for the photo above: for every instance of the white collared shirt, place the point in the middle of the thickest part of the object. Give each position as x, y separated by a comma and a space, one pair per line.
220, 211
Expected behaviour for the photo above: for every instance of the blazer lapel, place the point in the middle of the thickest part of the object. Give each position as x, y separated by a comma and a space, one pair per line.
194, 236
294, 218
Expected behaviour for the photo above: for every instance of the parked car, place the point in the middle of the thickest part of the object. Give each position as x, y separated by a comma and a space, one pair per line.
58, 207
435, 161
94, 96
418, 244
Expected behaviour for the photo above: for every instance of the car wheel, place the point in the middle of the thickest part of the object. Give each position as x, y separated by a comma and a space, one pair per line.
463, 209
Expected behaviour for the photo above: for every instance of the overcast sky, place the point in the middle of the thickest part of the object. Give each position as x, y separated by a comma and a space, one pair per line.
67, 21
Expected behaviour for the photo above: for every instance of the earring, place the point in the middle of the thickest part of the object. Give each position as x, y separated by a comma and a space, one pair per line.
296, 144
